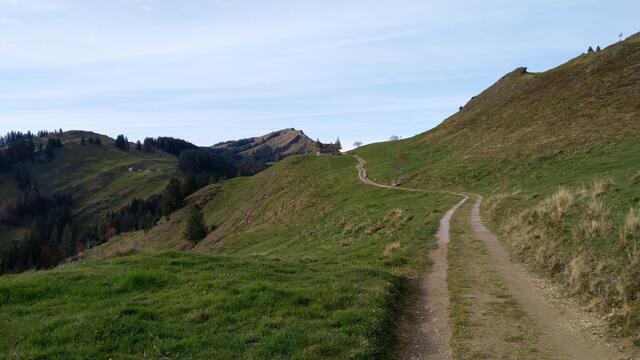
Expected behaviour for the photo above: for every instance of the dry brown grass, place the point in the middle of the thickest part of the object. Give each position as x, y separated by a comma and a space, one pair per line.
631, 233
600, 186
497, 200
534, 236
391, 248
555, 206
578, 271
583, 192
595, 222
198, 316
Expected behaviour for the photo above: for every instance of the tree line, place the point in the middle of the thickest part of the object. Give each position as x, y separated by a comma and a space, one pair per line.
51, 236
17, 147
169, 145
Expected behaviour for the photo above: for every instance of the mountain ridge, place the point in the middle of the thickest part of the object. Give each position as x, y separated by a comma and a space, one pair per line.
256, 153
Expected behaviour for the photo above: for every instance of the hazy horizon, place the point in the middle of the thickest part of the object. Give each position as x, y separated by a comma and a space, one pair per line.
210, 71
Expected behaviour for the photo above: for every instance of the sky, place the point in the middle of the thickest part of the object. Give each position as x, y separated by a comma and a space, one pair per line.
210, 71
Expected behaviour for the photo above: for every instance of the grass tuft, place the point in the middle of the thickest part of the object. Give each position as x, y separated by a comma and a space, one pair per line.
631, 233
595, 222
555, 206
600, 186
391, 248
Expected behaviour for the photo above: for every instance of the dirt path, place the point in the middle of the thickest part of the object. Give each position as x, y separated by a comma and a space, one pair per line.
426, 333
565, 341
486, 319
426, 325
425, 328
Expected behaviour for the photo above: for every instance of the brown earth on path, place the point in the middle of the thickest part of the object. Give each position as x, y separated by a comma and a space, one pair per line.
424, 329
565, 341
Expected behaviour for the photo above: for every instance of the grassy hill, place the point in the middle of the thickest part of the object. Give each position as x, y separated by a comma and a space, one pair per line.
254, 154
100, 178
556, 153
528, 120
305, 262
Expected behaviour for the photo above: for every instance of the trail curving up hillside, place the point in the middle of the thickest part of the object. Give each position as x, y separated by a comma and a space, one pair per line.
428, 337
425, 328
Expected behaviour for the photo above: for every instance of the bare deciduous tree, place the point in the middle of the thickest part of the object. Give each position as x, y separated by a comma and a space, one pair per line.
400, 164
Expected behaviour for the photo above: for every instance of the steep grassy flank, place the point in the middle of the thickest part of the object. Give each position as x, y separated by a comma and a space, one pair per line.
98, 177
307, 263
528, 135
527, 120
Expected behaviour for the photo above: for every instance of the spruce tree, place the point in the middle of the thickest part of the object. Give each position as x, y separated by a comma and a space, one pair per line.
171, 197
83, 142
196, 229
122, 142
189, 185
66, 242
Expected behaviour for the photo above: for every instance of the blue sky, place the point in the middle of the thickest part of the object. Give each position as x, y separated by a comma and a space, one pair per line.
209, 71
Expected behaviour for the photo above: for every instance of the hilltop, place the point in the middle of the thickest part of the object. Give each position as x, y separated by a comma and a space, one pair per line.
254, 154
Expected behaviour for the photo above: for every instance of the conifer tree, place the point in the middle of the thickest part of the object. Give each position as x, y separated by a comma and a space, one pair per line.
121, 142
171, 197
189, 185
66, 242
83, 142
196, 230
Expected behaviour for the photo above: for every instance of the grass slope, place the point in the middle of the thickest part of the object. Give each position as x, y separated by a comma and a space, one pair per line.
306, 262
574, 129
